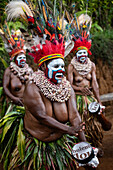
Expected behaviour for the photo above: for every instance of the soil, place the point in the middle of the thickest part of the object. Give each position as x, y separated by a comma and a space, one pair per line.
106, 162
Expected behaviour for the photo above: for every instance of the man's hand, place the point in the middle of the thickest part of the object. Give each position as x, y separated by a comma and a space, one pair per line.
102, 109
85, 91
17, 101
74, 130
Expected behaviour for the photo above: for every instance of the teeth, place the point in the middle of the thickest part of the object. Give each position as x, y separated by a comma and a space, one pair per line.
59, 75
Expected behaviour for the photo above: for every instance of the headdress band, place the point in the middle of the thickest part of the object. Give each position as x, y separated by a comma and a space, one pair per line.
82, 48
16, 52
48, 57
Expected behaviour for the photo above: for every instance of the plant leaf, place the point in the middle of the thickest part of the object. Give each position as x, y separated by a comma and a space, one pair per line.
34, 156
7, 127
9, 144
1, 91
21, 141
4, 62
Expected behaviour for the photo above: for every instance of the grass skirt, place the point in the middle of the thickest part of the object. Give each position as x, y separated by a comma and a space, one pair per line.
20, 149
93, 130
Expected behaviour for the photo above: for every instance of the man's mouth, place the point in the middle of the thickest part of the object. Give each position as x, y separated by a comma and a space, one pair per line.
82, 58
23, 62
59, 75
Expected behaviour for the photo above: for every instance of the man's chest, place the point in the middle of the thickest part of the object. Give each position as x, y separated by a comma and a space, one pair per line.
57, 110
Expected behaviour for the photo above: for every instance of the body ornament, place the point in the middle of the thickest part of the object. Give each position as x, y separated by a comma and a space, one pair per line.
81, 68
59, 93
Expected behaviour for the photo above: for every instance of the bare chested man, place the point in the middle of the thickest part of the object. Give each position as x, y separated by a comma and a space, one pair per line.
82, 76
16, 75
50, 103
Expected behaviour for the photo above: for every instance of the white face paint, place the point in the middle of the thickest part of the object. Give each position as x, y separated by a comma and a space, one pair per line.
55, 70
82, 56
21, 60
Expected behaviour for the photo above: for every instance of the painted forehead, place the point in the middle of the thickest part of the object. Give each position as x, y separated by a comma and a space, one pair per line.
21, 55
81, 51
56, 61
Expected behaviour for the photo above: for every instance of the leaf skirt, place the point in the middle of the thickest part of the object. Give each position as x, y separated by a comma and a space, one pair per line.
20, 149
93, 129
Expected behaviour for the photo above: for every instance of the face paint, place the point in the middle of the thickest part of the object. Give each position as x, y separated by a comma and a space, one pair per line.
20, 60
81, 56
55, 70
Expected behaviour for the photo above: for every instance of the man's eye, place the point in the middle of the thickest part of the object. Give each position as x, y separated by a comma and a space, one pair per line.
56, 66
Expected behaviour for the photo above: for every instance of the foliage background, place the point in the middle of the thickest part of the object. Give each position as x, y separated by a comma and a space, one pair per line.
101, 12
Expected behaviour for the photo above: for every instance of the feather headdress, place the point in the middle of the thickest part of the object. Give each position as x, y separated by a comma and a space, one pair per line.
16, 9
13, 41
79, 28
45, 25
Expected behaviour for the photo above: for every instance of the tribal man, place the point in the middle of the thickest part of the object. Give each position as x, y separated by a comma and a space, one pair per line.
16, 75
49, 99
82, 76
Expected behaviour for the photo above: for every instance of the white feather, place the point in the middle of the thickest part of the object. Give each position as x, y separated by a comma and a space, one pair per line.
8, 49
14, 9
68, 47
36, 40
84, 18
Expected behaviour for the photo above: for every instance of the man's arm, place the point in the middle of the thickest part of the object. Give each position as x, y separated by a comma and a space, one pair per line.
34, 103
95, 84
74, 116
70, 77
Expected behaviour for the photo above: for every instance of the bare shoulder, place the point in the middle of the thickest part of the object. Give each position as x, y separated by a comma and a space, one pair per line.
70, 68
7, 72
72, 92
93, 66
31, 90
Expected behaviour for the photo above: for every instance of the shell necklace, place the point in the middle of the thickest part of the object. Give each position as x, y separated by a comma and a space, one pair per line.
82, 69
22, 73
54, 92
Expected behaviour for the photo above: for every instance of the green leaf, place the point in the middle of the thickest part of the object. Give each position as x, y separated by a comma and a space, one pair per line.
9, 144
21, 141
39, 158
10, 107
34, 156
11, 114
95, 25
1, 91
58, 159
20, 109
6, 164
36, 141
7, 127
2, 123
82, 12
4, 62
29, 152
4, 108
